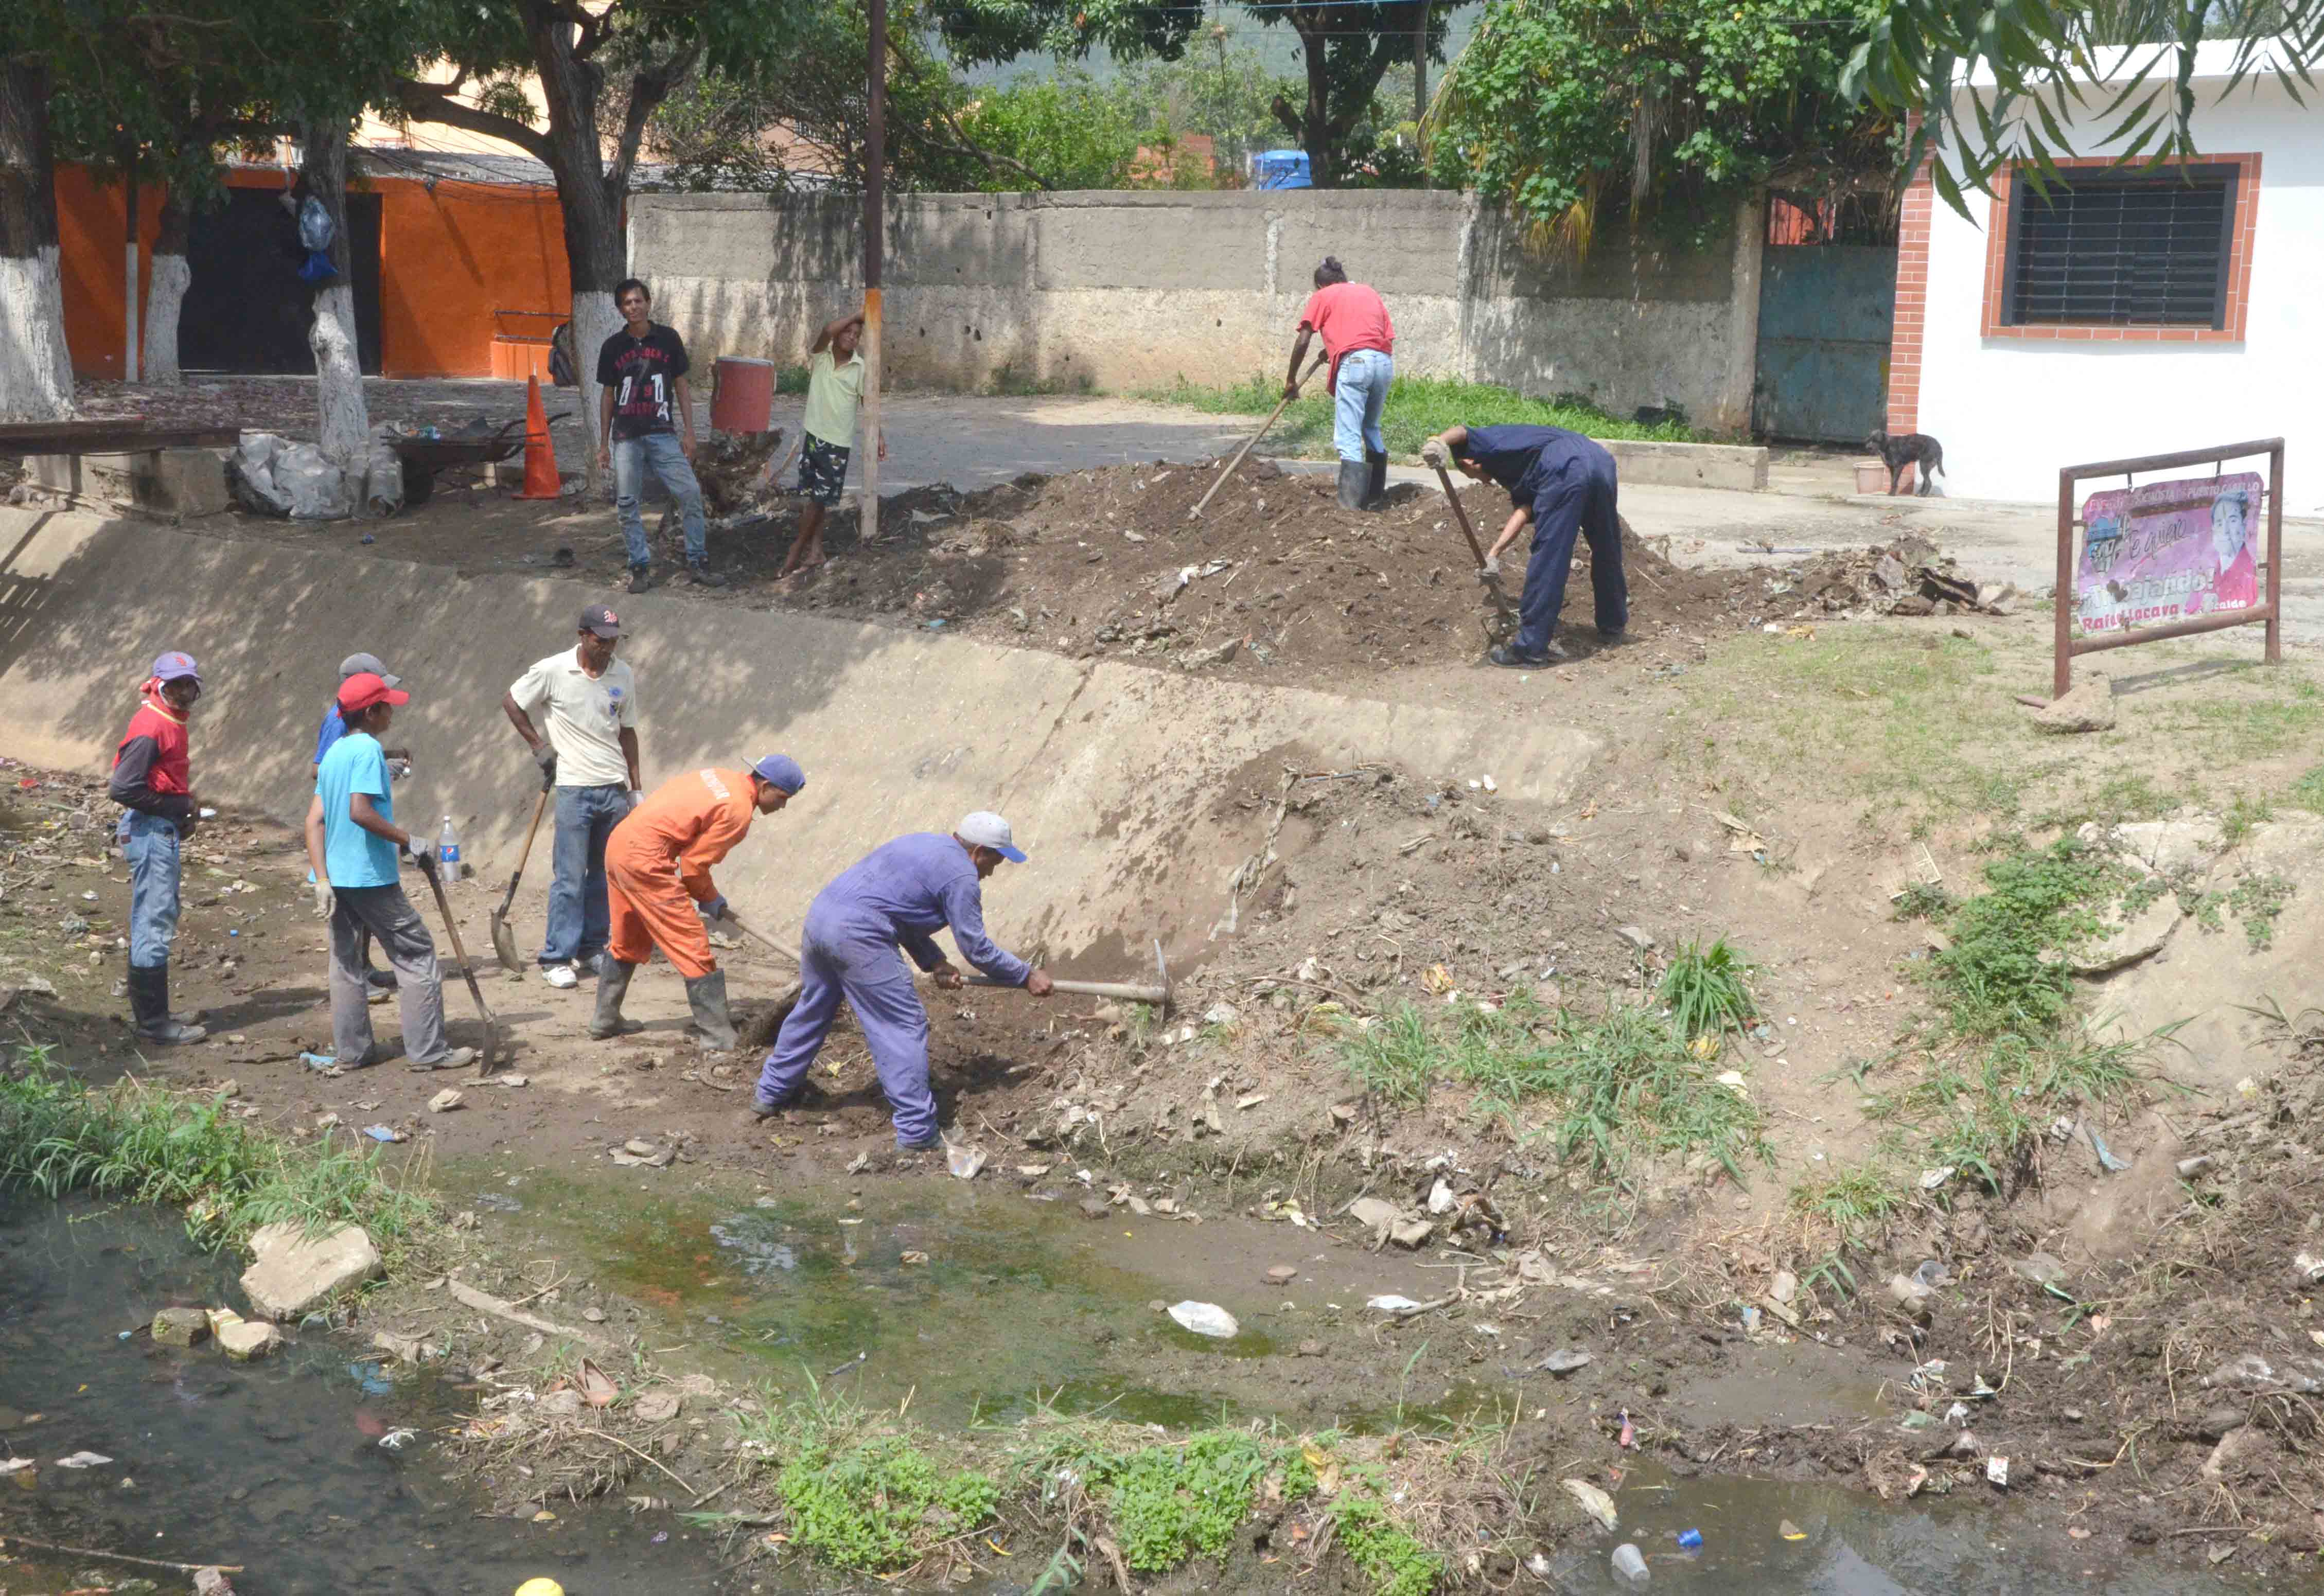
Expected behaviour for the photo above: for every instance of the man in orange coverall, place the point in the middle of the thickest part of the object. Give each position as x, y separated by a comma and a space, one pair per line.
658, 869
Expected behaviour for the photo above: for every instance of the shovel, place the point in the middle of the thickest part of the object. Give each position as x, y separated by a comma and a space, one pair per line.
503, 939
1196, 512
761, 1032
492, 1040
1503, 623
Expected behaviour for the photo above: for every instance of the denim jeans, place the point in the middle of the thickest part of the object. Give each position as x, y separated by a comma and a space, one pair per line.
661, 453
1359, 398
577, 918
151, 846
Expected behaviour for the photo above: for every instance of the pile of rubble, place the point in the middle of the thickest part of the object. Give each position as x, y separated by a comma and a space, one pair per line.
1906, 577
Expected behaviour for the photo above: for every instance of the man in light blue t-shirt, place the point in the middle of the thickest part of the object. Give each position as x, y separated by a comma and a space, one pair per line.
356, 848
333, 726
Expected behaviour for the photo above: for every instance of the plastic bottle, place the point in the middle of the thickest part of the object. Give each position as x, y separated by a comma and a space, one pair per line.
1630, 1564
447, 850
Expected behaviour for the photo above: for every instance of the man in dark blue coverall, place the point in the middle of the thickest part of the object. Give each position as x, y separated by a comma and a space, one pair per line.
1564, 485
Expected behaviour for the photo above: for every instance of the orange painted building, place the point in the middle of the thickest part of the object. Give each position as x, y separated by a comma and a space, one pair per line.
472, 274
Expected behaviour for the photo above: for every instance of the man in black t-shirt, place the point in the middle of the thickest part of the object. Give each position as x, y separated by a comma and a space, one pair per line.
645, 403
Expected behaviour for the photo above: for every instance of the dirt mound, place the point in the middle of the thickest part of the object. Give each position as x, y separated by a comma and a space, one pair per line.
1276, 574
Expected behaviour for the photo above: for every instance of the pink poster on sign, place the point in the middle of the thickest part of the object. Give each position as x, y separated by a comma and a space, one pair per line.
2169, 552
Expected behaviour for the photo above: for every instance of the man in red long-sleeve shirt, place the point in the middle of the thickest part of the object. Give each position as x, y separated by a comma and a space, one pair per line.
152, 781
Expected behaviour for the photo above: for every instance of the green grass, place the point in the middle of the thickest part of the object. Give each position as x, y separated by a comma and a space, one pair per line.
1418, 407
1396, 1564
1708, 990
1983, 1113
1602, 1090
860, 1491
1994, 979
791, 379
1170, 1503
2308, 792
133, 1143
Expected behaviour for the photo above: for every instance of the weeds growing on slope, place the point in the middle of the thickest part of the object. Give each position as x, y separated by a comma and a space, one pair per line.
1599, 1089
1708, 990
2002, 975
135, 1143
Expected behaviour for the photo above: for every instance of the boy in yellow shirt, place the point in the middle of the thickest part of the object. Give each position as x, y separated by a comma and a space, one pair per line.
835, 392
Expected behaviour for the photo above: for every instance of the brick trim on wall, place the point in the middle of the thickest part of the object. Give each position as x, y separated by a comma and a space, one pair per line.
1909, 327
2239, 258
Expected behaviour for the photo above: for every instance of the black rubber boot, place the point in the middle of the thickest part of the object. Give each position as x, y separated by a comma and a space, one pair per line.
1375, 479
613, 986
1353, 476
149, 1004
713, 1027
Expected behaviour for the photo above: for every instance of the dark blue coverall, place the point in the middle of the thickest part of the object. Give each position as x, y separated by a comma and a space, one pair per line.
1568, 481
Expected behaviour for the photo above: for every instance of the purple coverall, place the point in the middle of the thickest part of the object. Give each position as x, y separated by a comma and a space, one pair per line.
895, 896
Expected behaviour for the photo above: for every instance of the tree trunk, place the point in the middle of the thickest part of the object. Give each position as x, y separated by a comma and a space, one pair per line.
35, 366
596, 248
343, 422
1315, 116
166, 294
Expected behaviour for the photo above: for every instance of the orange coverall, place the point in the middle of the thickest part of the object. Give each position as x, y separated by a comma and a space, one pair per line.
658, 865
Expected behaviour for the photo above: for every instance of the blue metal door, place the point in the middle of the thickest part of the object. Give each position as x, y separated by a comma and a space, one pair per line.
1825, 315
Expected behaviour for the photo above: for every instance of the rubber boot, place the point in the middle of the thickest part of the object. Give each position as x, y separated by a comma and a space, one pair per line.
1375, 479
714, 1027
613, 986
1353, 476
149, 1004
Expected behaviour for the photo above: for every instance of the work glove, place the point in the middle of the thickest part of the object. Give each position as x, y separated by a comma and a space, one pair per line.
324, 899
1433, 453
636, 798
1491, 569
545, 757
423, 853
714, 908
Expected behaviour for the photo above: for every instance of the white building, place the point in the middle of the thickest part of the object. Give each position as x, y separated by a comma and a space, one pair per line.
2134, 312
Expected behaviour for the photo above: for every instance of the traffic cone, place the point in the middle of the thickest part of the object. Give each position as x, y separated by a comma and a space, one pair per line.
540, 480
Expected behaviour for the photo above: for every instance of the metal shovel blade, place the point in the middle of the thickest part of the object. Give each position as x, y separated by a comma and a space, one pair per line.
504, 943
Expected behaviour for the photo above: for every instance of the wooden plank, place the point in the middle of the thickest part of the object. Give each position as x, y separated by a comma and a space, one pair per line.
110, 438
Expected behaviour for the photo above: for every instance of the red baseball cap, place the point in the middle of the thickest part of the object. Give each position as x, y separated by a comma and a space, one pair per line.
361, 691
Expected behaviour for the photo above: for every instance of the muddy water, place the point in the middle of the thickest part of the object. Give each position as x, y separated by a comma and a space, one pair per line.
284, 1466
1020, 1301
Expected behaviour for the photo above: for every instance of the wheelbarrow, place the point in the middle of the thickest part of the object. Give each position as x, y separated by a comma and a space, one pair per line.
423, 457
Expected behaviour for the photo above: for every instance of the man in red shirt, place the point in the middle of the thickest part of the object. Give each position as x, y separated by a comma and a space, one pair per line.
153, 782
1362, 342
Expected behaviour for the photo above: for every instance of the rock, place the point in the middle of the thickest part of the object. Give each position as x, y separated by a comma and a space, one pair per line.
1565, 1361
209, 1582
292, 1272
656, 1408
564, 1403
1096, 1207
446, 1101
1374, 1215
1223, 654
1205, 1318
1635, 937
2234, 1447
1411, 1232
1282, 1274
1343, 1114
2306, 1268
245, 1340
181, 1327
1310, 1349
1784, 1287
403, 1349
2126, 942
594, 1315
2088, 706
2040, 1269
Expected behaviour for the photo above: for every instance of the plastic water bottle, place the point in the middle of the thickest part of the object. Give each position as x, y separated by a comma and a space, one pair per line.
447, 850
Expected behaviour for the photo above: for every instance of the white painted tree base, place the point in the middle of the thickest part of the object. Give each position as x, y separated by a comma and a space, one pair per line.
35, 366
165, 297
344, 421
595, 320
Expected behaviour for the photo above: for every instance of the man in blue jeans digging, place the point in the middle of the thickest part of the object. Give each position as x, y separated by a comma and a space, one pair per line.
590, 753
1357, 333
645, 406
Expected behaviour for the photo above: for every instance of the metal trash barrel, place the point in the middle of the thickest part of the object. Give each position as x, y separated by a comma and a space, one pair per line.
744, 398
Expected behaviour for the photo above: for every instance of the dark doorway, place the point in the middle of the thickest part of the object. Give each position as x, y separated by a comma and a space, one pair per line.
246, 311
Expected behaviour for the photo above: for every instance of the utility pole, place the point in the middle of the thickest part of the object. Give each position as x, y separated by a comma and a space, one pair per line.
129, 341
875, 163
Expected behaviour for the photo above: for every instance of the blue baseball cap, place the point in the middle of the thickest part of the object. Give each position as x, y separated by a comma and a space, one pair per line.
780, 769
173, 666
988, 830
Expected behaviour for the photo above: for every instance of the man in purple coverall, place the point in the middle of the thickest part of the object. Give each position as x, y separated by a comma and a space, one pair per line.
897, 895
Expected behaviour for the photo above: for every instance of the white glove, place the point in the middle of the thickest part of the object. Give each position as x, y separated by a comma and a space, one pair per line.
324, 899
1432, 453
422, 852
636, 798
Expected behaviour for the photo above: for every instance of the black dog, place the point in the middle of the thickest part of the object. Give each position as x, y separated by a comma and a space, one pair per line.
1913, 449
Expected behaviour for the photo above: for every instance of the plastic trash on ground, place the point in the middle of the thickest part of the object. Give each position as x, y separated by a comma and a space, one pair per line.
1205, 1318
1630, 1564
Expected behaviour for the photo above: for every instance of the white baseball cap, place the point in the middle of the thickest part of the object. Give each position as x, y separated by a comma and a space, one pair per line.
986, 829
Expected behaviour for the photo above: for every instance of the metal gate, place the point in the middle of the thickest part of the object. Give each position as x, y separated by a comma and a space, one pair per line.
247, 311
1825, 315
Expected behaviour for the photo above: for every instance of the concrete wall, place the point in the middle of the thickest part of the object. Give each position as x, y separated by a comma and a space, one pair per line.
1130, 290
2011, 411
1119, 780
